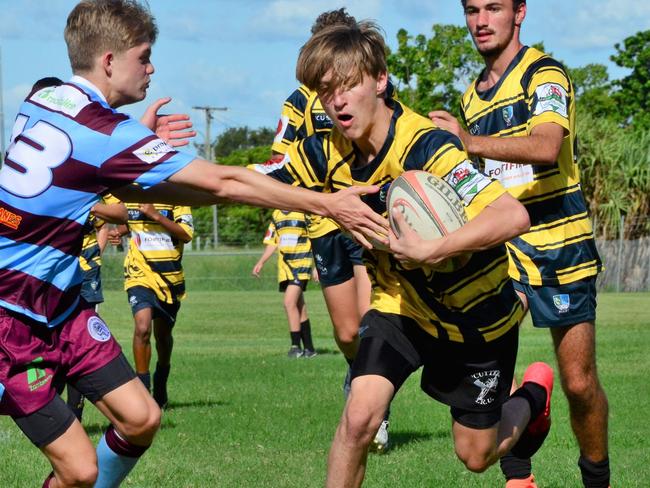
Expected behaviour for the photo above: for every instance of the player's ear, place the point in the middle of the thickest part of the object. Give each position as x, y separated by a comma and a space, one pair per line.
382, 83
520, 14
106, 60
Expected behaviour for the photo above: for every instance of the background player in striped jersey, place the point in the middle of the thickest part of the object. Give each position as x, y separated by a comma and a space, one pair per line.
521, 118
339, 260
463, 323
155, 284
287, 233
69, 146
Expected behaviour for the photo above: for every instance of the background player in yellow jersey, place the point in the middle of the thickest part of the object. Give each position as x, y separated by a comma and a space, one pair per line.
521, 118
339, 259
287, 233
155, 284
462, 326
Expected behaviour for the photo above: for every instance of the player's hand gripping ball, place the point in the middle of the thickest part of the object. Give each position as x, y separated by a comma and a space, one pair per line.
430, 207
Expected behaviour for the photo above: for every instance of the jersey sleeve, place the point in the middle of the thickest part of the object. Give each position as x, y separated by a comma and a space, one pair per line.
271, 236
291, 119
134, 154
549, 93
445, 157
183, 217
304, 164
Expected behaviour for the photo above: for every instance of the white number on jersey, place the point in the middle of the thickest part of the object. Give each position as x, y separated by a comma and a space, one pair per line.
39, 150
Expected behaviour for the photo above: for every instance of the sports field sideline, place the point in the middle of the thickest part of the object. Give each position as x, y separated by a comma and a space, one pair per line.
243, 415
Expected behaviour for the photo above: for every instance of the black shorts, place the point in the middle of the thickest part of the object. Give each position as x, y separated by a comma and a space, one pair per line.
282, 286
561, 305
474, 380
142, 297
336, 254
48, 423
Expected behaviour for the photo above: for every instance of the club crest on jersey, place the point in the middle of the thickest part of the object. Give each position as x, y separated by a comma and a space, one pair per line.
487, 381
474, 130
551, 97
508, 113
562, 302
153, 151
98, 329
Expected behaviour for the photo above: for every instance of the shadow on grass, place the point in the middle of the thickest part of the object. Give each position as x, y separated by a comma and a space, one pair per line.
402, 438
171, 406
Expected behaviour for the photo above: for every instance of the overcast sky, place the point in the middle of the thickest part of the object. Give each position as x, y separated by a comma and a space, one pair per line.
242, 54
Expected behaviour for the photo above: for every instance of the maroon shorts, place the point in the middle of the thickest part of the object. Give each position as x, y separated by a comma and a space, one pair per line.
34, 359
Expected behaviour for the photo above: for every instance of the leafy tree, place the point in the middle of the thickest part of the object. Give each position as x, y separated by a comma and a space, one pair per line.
237, 138
431, 72
632, 97
593, 91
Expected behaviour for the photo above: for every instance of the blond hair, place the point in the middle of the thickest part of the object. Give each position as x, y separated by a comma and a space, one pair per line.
96, 26
349, 51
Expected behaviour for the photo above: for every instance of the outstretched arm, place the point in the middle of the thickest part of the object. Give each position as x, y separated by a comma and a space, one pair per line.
173, 129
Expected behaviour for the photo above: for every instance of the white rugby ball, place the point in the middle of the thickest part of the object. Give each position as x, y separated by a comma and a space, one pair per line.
430, 207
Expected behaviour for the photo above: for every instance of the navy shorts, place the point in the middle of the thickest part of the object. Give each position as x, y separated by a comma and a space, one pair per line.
561, 305
336, 254
282, 286
474, 380
91, 286
142, 297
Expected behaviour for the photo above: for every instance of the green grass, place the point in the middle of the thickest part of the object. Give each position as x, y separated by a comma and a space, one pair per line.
243, 415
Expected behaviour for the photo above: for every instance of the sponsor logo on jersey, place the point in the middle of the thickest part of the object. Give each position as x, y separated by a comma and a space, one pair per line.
551, 97
37, 377
509, 174
153, 241
271, 165
562, 302
466, 181
487, 381
98, 329
507, 113
283, 123
153, 151
187, 219
64, 99
10, 219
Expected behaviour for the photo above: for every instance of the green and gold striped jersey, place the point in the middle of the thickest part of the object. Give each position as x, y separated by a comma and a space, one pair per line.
154, 256
303, 115
288, 231
473, 304
535, 89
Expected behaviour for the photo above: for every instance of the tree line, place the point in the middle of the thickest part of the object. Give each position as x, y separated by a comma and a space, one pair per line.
429, 72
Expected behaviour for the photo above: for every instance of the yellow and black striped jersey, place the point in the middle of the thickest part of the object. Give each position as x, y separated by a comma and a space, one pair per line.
535, 89
90, 257
473, 304
303, 115
154, 256
288, 231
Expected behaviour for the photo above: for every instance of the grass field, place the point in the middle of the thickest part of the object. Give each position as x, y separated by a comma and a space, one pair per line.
243, 415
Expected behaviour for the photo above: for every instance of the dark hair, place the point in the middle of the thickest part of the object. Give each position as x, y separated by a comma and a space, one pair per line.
332, 17
45, 82
515, 3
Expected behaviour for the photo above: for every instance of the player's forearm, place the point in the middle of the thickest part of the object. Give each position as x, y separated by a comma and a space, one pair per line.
174, 229
114, 213
532, 149
502, 220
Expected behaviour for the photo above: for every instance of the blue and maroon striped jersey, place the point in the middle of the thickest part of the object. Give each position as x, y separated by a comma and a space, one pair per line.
68, 146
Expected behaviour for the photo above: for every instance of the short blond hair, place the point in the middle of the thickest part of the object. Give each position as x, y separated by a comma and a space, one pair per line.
349, 51
95, 26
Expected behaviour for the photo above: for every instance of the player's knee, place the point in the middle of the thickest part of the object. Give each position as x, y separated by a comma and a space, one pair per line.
83, 474
143, 331
474, 460
580, 387
347, 335
143, 424
359, 426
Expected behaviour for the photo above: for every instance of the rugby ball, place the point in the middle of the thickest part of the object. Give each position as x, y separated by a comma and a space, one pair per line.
430, 207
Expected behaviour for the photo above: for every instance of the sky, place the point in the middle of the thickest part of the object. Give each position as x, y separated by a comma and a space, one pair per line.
241, 54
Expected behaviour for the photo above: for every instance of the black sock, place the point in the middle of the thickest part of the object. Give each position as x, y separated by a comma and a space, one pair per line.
513, 467
295, 338
535, 395
305, 335
594, 475
160, 376
349, 361
146, 380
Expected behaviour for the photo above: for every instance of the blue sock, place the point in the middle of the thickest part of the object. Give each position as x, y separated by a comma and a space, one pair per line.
116, 458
